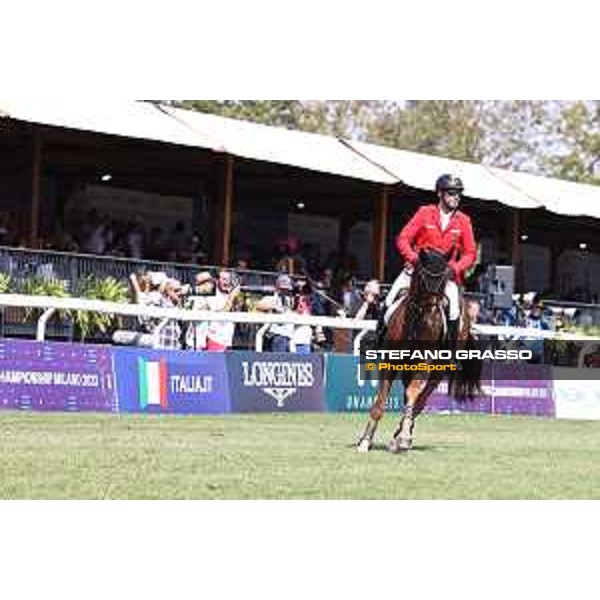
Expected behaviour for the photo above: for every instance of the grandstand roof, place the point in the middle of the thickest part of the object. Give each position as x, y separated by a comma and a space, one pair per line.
126, 118
279, 145
557, 195
327, 154
421, 170
147, 120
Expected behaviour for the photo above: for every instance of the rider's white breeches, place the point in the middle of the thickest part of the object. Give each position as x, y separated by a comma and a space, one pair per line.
403, 281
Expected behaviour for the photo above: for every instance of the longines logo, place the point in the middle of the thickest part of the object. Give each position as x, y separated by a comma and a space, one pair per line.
279, 380
280, 394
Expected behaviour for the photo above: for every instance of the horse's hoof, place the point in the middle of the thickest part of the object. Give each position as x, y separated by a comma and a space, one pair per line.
400, 445
363, 446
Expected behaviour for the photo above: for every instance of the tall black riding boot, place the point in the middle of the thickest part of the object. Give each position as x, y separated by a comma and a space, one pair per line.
381, 330
452, 337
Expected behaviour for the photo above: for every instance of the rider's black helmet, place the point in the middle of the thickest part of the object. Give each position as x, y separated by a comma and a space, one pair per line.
449, 182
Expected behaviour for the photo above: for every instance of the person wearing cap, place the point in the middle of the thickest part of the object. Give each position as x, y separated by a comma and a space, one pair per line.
282, 301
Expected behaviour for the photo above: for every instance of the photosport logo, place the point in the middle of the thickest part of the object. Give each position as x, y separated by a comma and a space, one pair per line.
153, 383
279, 380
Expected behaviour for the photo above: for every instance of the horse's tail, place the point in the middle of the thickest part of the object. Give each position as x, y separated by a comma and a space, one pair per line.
465, 383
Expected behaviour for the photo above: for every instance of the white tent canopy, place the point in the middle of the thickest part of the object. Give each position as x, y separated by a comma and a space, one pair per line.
126, 118
282, 146
557, 195
421, 170
146, 120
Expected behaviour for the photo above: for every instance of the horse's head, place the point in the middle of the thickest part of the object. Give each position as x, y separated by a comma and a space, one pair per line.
431, 273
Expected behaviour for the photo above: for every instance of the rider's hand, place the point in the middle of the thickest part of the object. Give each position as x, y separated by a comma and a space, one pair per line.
453, 271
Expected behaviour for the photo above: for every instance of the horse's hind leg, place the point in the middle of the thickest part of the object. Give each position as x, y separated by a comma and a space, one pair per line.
377, 410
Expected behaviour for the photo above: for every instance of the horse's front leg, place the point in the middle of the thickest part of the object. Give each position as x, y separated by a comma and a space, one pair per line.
377, 410
403, 437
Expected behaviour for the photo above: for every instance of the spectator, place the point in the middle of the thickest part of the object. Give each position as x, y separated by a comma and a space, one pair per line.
247, 279
372, 307
281, 302
536, 318
289, 260
326, 279
219, 335
135, 241
303, 334
145, 292
96, 242
146, 287
197, 253
178, 244
169, 333
349, 296
204, 288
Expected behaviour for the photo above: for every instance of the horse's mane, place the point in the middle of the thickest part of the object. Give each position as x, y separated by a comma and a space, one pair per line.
427, 289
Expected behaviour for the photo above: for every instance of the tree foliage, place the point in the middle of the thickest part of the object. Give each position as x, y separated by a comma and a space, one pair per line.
546, 137
577, 131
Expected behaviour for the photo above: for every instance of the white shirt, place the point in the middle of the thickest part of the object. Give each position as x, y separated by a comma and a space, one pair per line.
220, 331
445, 219
283, 329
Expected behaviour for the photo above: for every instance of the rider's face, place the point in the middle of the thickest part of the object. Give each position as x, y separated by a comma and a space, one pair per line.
450, 198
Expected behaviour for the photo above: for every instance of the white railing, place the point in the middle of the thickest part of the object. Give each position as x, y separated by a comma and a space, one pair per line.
51, 304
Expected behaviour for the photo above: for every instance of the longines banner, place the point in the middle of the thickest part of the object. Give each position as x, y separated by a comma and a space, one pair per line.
275, 382
56, 377
168, 381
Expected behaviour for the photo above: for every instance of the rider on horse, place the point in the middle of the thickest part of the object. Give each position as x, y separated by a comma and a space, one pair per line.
440, 227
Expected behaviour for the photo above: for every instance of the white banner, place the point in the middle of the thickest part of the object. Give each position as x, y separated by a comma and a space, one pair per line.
575, 399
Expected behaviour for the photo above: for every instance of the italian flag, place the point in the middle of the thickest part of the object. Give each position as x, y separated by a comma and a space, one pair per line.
153, 383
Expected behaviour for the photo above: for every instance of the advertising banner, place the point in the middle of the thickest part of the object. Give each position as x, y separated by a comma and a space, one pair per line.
575, 398
347, 391
169, 381
56, 376
530, 393
273, 382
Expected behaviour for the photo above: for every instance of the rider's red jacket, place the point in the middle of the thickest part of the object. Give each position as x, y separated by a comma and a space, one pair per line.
424, 230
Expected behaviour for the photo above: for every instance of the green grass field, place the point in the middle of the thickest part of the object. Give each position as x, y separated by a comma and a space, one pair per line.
293, 456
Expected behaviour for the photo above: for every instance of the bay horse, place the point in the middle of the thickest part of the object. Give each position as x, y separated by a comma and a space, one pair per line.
420, 317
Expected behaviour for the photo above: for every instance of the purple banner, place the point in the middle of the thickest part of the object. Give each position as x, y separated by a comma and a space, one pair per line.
56, 377
522, 389
529, 394
440, 401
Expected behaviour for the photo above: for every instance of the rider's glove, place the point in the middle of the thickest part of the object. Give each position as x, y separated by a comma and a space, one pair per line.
454, 274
